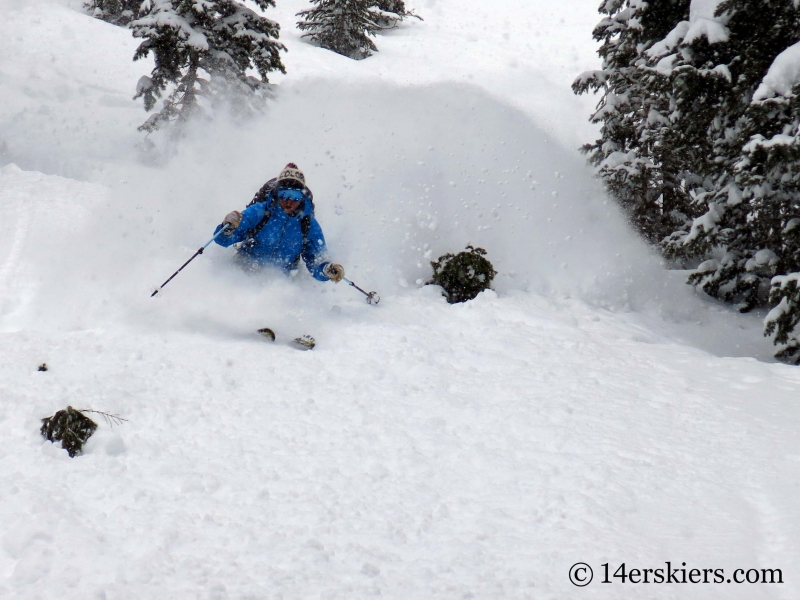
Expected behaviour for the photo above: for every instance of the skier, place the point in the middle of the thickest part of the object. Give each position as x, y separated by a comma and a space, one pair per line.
278, 228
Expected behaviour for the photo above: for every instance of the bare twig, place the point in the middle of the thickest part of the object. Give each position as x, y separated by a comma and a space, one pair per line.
110, 419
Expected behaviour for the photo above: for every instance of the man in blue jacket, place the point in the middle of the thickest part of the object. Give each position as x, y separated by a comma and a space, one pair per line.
278, 228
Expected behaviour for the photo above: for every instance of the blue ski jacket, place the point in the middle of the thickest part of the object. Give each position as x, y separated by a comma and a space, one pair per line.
280, 241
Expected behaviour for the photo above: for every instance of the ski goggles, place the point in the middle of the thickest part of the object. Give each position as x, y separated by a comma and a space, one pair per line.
293, 195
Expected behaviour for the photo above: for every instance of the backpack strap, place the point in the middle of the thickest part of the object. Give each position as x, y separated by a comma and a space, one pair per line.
305, 227
251, 235
264, 220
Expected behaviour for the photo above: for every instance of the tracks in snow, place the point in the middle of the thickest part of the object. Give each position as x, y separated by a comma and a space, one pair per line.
12, 201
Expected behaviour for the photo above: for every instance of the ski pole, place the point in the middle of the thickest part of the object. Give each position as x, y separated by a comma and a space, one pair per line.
200, 251
372, 297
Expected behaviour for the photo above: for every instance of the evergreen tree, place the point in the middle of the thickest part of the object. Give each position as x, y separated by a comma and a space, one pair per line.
116, 12
769, 175
783, 319
388, 13
643, 168
724, 231
343, 26
701, 132
750, 204
205, 48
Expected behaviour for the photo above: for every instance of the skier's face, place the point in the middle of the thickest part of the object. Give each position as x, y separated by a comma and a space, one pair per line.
290, 200
290, 206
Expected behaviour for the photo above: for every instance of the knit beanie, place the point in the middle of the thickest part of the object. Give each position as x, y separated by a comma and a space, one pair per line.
291, 173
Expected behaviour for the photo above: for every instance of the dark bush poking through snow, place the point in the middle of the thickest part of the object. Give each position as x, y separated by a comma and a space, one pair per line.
70, 427
464, 275
73, 428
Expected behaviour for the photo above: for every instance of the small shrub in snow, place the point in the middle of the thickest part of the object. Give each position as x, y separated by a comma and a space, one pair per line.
343, 26
70, 427
73, 428
464, 275
205, 49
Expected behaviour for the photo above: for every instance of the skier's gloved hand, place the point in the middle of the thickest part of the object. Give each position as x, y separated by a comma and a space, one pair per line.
334, 272
233, 219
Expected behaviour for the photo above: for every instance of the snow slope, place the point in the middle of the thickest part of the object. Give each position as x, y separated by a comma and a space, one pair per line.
591, 409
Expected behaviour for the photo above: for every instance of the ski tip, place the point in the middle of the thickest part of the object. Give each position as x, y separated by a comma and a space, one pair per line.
304, 342
267, 333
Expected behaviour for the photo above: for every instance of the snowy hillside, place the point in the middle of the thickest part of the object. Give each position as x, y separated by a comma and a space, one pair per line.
593, 408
